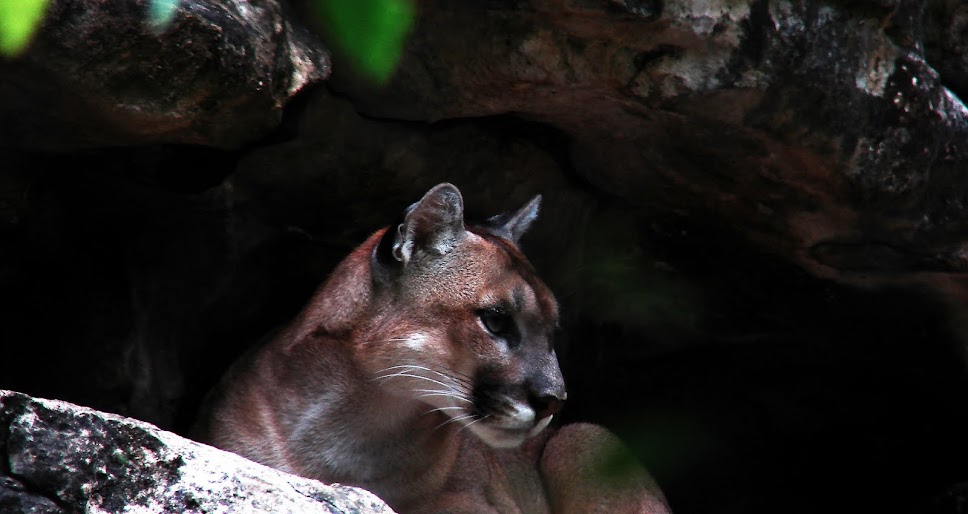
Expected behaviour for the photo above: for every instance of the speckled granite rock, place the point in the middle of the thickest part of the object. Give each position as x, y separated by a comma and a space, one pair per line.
56, 457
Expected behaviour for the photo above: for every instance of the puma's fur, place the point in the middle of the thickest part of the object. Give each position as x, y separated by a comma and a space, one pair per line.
424, 371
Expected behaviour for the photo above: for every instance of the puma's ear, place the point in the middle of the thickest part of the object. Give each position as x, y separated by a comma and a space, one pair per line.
434, 225
513, 225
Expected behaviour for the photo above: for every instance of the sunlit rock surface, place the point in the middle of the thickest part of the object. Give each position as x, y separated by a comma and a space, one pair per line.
56, 457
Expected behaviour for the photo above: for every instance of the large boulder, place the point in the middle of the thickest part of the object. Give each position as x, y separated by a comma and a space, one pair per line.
59, 458
819, 130
100, 73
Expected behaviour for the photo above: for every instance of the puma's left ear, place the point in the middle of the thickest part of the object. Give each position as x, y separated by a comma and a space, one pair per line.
434, 225
513, 225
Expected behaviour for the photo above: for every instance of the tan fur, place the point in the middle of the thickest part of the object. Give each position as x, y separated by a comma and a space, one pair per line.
397, 378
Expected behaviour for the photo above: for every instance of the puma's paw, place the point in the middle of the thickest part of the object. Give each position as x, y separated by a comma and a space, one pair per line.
587, 469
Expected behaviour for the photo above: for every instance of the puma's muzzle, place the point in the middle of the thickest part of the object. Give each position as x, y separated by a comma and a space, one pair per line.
508, 412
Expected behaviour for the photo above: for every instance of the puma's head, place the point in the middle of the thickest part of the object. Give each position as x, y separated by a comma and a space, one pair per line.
464, 325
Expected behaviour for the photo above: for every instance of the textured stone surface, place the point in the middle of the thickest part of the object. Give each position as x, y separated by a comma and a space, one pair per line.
952, 501
819, 128
98, 74
61, 458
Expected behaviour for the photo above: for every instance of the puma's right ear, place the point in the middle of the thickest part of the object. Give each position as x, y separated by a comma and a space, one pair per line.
434, 225
513, 225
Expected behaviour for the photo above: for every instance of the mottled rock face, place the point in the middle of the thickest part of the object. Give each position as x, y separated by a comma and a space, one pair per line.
817, 127
754, 216
61, 458
100, 74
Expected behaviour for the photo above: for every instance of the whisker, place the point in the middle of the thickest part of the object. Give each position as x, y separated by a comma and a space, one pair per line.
457, 375
460, 380
452, 374
438, 409
482, 418
455, 420
457, 390
432, 392
411, 375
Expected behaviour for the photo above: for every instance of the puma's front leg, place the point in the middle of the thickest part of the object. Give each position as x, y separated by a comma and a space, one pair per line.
582, 477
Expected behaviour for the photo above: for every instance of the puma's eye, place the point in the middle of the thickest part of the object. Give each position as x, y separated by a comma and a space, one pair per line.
497, 322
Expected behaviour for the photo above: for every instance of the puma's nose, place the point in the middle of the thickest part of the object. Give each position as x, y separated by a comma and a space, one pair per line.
545, 405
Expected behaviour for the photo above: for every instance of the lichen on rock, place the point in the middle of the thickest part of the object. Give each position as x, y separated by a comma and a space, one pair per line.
62, 458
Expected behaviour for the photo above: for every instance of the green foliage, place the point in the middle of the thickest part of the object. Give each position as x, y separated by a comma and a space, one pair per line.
161, 12
19, 20
370, 32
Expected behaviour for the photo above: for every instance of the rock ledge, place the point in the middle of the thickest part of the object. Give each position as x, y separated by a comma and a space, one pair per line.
56, 457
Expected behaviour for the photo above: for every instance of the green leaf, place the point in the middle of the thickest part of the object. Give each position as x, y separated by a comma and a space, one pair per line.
161, 12
370, 32
19, 20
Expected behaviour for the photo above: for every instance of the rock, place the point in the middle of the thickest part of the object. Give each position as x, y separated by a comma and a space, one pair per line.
952, 501
945, 45
99, 74
820, 130
62, 458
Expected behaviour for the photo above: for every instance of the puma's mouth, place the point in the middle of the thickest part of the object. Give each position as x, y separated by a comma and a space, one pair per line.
540, 425
504, 415
498, 435
505, 423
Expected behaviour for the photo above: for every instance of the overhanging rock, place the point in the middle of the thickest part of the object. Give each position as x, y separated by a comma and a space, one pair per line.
100, 73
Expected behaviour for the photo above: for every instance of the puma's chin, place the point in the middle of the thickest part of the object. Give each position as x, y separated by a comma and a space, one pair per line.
502, 437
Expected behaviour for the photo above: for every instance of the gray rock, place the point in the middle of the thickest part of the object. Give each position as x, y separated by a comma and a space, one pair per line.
952, 501
62, 458
99, 74
820, 130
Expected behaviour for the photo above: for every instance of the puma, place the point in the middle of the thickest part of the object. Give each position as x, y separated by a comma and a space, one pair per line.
423, 370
